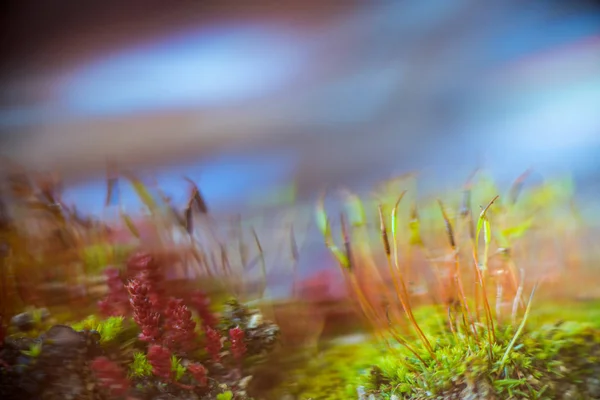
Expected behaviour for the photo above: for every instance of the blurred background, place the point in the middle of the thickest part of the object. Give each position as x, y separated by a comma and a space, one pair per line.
270, 100
264, 104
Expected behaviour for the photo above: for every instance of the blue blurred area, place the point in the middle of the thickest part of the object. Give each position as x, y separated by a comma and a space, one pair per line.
201, 68
537, 31
437, 86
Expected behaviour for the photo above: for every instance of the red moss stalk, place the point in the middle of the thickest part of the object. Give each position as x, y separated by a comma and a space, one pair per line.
146, 269
213, 344
143, 314
201, 302
117, 300
238, 346
160, 359
110, 376
179, 336
199, 372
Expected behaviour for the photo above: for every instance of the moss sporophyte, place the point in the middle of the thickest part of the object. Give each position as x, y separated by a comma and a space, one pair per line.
462, 345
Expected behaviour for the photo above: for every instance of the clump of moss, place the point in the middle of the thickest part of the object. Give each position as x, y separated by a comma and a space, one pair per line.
333, 373
551, 312
228, 395
97, 256
547, 361
31, 322
109, 328
177, 368
465, 346
551, 361
140, 367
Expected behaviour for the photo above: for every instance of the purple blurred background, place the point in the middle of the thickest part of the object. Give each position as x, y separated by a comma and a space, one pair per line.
248, 98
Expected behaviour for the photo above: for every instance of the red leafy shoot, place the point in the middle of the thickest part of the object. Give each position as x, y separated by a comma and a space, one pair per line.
110, 376
213, 344
238, 345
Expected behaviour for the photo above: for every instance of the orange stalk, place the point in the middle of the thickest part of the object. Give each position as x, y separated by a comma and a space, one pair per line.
457, 274
400, 285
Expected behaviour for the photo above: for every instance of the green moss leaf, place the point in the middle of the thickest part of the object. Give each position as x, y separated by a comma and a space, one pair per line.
143, 193
130, 225
34, 350
519, 230
228, 395
88, 324
140, 367
414, 229
110, 328
176, 367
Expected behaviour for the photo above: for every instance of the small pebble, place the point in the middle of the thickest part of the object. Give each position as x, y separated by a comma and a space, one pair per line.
255, 321
62, 335
362, 393
243, 383
22, 322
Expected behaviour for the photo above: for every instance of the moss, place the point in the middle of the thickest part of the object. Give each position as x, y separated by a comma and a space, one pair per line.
34, 350
177, 368
97, 257
109, 328
543, 362
140, 367
550, 359
332, 374
228, 395
549, 312
89, 323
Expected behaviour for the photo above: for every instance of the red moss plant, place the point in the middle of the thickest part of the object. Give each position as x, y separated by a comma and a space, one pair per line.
110, 377
238, 345
201, 303
116, 302
199, 372
148, 320
179, 335
148, 270
170, 329
213, 344
160, 359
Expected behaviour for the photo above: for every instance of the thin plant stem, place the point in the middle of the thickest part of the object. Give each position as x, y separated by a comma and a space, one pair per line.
514, 282
457, 274
395, 227
499, 295
263, 265
520, 329
400, 285
518, 297
349, 270
481, 278
468, 222
398, 356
